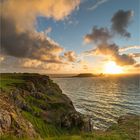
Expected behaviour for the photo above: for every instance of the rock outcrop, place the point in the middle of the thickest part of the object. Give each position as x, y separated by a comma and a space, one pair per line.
12, 121
37, 100
128, 126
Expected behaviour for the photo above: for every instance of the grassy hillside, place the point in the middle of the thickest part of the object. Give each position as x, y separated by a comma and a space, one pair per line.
33, 107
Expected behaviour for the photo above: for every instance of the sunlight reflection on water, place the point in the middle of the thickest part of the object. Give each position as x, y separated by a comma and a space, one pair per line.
104, 98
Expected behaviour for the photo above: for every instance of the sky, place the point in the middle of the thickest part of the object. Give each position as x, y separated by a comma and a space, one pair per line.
69, 36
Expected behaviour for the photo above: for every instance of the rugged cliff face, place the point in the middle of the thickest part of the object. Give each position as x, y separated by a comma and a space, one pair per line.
32, 105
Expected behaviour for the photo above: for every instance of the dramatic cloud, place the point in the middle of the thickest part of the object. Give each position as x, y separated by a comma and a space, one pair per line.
24, 12
98, 35
70, 56
29, 65
19, 37
97, 4
101, 37
120, 22
124, 59
107, 49
112, 50
27, 44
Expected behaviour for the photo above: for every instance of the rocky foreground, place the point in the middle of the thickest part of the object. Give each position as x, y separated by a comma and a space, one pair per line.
33, 107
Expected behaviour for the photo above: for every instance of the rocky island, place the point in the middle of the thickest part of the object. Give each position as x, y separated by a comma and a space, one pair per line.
89, 75
33, 107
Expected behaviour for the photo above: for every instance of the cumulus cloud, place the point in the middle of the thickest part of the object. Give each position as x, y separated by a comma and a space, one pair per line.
70, 56
98, 35
120, 21
32, 45
101, 37
14, 63
19, 38
112, 50
31, 64
24, 12
124, 59
106, 49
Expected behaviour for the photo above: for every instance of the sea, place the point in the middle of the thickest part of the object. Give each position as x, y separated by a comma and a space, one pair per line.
104, 98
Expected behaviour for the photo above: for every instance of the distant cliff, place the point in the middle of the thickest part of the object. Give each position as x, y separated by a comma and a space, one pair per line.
32, 105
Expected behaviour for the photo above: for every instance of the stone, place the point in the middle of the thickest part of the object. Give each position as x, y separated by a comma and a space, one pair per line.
5, 120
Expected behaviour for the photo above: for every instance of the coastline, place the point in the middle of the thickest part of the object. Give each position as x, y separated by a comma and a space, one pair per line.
22, 101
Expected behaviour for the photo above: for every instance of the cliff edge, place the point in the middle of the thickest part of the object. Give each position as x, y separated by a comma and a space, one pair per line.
31, 105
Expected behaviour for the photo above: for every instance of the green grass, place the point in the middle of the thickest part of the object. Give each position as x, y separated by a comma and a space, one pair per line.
86, 137
8, 137
103, 136
49, 132
44, 129
8, 80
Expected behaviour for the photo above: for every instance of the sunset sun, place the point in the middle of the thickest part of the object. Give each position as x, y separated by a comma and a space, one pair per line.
112, 68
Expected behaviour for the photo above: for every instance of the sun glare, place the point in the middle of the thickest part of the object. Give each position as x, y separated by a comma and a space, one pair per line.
112, 68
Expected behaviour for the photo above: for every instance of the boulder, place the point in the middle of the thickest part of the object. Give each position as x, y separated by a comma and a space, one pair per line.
76, 120
5, 121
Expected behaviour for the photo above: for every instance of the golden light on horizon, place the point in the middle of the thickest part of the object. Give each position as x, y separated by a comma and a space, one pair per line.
112, 68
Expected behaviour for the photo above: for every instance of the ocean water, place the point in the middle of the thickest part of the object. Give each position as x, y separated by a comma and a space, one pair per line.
103, 98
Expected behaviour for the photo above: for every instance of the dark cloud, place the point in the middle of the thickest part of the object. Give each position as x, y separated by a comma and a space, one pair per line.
120, 22
102, 38
98, 35
21, 45
107, 49
31, 45
112, 50
124, 59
